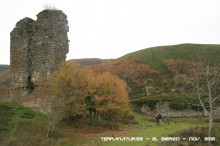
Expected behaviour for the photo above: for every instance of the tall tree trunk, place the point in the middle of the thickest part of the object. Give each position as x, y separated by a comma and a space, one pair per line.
210, 120
210, 128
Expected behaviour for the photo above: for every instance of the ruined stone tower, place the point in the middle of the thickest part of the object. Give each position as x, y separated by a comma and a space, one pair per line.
37, 49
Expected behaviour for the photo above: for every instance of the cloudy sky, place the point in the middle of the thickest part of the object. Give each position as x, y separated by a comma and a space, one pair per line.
112, 28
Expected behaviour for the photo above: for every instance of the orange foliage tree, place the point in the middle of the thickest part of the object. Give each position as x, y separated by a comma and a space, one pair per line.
179, 66
68, 85
72, 84
111, 97
126, 68
132, 70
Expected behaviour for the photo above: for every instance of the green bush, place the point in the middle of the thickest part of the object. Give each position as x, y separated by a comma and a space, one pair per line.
177, 105
176, 101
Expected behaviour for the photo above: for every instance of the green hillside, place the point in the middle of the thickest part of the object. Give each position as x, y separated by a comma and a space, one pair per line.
4, 67
20, 126
156, 55
89, 61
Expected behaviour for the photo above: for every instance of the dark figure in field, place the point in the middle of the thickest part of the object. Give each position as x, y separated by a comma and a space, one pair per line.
159, 119
168, 118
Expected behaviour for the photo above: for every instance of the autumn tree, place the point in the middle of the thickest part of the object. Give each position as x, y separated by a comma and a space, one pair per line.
68, 86
90, 91
111, 97
72, 84
179, 66
180, 70
132, 70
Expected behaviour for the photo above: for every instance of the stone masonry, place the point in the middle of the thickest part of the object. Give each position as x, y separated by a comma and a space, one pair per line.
37, 49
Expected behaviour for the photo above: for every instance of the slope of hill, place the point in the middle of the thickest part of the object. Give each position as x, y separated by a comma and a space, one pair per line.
4, 67
4, 81
132, 70
135, 67
89, 61
4, 84
156, 55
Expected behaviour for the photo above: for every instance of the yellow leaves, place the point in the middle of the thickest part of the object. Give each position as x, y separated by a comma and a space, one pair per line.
179, 66
108, 93
67, 80
126, 68
129, 69
112, 95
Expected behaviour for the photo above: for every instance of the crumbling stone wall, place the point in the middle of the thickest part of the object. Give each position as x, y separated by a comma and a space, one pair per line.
37, 49
19, 56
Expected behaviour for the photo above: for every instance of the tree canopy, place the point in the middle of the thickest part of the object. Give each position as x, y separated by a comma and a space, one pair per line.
72, 84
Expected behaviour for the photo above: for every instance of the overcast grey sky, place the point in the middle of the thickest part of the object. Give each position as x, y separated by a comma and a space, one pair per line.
112, 28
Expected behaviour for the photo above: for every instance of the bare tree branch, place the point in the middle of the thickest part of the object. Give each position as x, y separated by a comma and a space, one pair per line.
215, 98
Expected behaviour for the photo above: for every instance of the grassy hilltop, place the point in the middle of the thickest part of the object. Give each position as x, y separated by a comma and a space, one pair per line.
156, 55
150, 64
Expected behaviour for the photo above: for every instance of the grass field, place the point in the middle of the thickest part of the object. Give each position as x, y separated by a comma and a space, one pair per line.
21, 126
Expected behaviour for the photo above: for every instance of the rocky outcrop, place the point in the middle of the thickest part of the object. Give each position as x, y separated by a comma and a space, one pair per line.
37, 49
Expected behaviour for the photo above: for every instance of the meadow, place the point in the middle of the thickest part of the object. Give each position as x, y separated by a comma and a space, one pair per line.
22, 126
